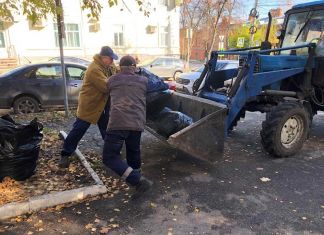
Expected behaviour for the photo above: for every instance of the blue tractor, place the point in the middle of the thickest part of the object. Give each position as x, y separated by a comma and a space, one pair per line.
286, 83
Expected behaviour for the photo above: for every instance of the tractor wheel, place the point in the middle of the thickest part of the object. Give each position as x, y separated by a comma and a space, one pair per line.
26, 104
285, 129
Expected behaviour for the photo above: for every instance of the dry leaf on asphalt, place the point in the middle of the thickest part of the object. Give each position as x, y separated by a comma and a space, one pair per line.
104, 230
153, 205
265, 179
88, 226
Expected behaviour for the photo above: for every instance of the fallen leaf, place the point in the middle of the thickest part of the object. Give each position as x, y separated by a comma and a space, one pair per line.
265, 179
97, 220
88, 226
29, 233
115, 225
93, 229
153, 204
104, 230
41, 229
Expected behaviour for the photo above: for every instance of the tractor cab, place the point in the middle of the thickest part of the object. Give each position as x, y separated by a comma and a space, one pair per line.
304, 23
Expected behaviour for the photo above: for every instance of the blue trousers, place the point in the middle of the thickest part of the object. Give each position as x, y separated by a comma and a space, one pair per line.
114, 141
80, 127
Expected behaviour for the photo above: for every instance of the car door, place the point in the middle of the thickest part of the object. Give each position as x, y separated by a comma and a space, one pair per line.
45, 81
75, 76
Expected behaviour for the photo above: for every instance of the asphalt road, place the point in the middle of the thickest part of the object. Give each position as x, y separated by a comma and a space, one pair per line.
193, 197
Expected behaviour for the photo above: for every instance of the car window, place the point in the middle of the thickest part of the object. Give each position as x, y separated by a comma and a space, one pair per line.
201, 69
75, 73
220, 66
48, 71
159, 62
177, 63
169, 62
231, 66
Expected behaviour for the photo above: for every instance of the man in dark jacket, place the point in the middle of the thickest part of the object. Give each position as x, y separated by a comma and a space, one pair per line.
127, 116
92, 103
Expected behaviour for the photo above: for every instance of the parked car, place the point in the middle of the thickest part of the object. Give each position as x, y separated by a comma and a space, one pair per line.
31, 87
71, 59
185, 81
165, 67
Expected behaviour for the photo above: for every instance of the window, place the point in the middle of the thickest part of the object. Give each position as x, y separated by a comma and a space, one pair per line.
118, 35
50, 72
2, 42
169, 62
159, 62
163, 2
303, 28
178, 63
163, 36
72, 35
231, 66
75, 73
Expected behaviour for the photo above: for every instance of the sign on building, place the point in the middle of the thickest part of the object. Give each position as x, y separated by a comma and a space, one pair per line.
240, 42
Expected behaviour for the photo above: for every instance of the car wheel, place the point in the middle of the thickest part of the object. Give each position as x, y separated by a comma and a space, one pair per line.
26, 104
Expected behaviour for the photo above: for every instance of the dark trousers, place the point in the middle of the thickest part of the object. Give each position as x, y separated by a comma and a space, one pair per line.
114, 141
80, 127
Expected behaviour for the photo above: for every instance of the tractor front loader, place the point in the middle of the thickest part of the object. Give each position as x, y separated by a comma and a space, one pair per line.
286, 83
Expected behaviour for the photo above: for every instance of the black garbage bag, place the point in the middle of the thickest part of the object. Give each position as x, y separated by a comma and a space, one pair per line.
19, 148
169, 122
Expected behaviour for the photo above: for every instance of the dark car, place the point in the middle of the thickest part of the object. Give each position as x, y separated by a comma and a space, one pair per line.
71, 59
31, 87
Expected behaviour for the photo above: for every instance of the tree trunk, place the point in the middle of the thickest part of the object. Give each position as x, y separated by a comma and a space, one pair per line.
220, 12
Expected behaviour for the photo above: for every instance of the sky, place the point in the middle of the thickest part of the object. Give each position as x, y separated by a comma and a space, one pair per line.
265, 5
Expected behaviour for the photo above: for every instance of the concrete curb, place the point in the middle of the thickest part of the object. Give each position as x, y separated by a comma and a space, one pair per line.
52, 199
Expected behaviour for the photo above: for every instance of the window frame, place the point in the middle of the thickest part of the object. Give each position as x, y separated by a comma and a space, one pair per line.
74, 67
163, 31
2, 38
120, 35
76, 35
31, 74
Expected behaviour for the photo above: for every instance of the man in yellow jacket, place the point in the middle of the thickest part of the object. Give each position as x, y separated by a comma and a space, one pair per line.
92, 104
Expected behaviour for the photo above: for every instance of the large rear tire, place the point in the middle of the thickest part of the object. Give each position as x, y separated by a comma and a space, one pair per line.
285, 129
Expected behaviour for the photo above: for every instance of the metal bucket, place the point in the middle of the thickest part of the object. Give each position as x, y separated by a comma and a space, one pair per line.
204, 138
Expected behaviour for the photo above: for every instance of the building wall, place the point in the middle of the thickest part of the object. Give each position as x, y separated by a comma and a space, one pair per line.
39, 44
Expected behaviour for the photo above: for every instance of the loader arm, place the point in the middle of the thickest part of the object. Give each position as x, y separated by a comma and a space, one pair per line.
250, 84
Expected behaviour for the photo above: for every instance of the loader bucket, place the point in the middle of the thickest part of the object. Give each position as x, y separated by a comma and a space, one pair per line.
204, 138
